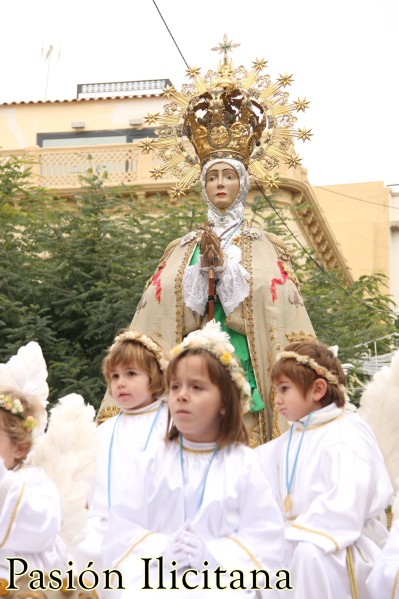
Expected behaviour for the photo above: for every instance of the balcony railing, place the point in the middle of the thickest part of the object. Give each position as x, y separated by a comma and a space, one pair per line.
61, 168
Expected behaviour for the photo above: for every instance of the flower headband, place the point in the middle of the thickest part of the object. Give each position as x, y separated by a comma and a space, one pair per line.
308, 361
7, 402
147, 342
217, 343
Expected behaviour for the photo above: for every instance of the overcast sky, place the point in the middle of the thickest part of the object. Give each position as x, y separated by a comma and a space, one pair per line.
343, 55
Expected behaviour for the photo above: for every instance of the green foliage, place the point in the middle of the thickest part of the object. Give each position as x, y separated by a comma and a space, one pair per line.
72, 272
14, 178
347, 316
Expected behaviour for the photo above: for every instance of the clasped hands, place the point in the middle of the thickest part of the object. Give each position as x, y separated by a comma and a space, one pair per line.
186, 547
210, 249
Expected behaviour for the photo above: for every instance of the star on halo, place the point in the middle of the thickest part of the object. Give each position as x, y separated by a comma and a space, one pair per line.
304, 134
167, 91
285, 79
147, 145
301, 104
151, 118
259, 63
293, 161
158, 172
193, 72
272, 181
178, 191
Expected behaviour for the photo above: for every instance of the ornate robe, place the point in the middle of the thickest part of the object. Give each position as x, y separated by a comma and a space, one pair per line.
271, 316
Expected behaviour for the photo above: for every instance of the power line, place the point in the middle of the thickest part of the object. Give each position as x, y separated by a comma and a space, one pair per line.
277, 213
354, 198
316, 262
160, 14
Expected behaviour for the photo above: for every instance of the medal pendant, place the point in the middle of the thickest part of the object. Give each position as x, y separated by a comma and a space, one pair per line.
288, 503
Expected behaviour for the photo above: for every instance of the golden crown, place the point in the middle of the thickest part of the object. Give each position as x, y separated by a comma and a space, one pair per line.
231, 113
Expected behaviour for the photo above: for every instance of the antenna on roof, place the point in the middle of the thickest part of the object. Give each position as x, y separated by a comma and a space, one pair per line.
47, 52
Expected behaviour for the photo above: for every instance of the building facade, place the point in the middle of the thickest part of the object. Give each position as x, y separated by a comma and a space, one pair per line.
351, 227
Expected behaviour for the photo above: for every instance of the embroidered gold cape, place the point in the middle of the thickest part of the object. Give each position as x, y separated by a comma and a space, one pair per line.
272, 315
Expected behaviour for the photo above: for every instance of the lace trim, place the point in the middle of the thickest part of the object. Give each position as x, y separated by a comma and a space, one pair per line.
233, 288
195, 289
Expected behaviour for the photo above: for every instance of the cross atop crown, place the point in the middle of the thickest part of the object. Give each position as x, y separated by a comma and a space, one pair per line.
225, 46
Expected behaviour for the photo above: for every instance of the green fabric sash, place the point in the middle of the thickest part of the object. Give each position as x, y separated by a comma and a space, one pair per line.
240, 345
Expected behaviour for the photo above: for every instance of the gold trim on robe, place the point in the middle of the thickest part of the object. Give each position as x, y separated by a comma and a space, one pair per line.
13, 515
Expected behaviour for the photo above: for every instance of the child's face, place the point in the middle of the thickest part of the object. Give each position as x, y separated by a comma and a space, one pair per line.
8, 450
130, 387
291, 402
195, 403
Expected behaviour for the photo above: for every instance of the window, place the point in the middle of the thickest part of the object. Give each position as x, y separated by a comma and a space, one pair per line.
91, 138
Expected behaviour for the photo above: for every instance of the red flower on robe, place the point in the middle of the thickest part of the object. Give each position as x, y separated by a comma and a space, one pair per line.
156, 281
284, 277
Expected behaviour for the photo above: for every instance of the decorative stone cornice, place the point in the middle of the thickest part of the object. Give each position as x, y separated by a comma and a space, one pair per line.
314, 227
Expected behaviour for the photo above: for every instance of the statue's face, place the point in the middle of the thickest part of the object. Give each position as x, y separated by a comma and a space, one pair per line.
222, 185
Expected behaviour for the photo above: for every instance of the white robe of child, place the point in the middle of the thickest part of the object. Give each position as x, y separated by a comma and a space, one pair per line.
121, 440
229, 504
384, 578
340, 485
30, 521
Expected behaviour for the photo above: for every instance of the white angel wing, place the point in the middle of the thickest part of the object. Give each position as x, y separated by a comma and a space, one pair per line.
379, 406
68, 454
27, 372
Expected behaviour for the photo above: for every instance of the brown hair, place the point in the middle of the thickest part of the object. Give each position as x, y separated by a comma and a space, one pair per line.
13, 425
303, 376
127, 352
232, 429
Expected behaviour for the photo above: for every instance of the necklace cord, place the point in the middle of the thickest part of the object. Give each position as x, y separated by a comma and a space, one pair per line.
111, 445
290, 477
204, 481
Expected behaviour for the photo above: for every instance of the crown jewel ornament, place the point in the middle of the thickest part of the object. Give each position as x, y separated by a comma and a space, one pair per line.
230, 113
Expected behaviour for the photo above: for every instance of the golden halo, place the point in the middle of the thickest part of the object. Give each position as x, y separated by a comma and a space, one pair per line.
228, 113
